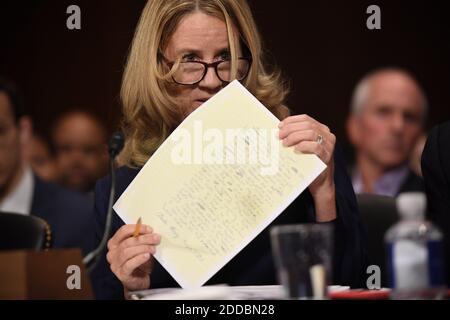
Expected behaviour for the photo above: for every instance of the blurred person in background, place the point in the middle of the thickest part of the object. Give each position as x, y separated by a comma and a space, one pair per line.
386, 121
68, 214
41, 158
79, 140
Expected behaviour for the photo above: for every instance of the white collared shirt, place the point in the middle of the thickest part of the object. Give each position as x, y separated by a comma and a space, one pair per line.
20, 199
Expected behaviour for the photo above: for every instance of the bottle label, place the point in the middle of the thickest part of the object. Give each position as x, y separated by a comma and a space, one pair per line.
436, 264
415, 265
410, 265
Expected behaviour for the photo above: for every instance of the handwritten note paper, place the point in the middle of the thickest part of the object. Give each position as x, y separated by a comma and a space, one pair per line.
215, 184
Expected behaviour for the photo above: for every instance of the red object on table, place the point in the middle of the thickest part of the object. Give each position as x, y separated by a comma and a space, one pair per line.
360, 294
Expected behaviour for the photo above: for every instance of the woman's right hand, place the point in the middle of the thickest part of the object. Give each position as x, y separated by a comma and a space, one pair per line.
131, 258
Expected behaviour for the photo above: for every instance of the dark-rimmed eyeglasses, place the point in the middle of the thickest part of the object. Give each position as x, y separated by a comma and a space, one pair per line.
193, 72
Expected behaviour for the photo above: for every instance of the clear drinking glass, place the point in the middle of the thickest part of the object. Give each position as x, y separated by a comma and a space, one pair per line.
303, 258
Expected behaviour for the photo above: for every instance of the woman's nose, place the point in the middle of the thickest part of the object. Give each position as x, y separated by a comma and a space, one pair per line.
211, 81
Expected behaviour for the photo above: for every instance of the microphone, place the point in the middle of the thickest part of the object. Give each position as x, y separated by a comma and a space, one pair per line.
115, 145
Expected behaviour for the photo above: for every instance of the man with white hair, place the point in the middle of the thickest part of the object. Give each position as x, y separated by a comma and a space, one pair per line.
387, 117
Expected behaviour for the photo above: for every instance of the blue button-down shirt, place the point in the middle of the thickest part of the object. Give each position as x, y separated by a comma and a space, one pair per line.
388, 184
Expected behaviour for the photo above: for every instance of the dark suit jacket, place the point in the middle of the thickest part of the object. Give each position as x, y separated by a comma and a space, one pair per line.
254, 264
412, 183
436, 173
69, 215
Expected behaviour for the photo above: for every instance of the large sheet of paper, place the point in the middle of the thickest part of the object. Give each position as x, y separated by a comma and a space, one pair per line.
220, 179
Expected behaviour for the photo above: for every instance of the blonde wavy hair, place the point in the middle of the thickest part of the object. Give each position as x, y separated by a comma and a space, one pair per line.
150, 114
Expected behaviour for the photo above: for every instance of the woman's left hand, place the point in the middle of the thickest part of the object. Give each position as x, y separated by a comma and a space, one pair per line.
307, 135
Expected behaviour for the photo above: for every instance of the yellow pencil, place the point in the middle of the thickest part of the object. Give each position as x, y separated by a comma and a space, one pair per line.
137, 230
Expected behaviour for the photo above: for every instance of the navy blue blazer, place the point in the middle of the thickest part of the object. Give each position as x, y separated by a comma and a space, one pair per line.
436, 172
254, 264
69, 214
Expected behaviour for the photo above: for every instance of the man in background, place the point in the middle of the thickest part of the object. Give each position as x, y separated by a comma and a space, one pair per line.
387, 117
69, 214
80, 143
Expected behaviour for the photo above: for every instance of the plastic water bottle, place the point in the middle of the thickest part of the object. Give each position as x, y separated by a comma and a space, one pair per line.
414, 252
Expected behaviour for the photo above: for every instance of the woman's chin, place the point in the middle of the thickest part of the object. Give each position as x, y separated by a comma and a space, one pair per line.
197, 103
192, 108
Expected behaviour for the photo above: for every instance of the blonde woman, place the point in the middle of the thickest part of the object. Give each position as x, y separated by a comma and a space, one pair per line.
184, 52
